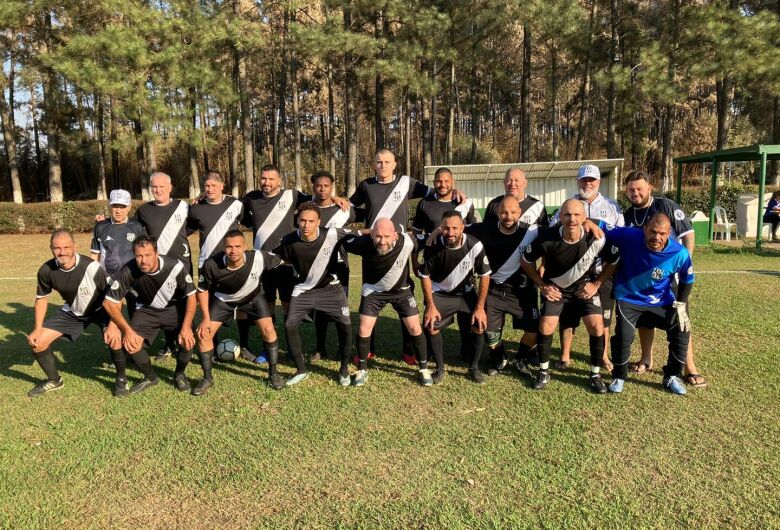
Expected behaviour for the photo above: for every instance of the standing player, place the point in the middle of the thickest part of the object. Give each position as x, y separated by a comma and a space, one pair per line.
604, 209
643, 206
645, 297
81, 283
165, 300
510, 292
515, 184
231, 282
447, 276
213, 216
385, 256
312, 253
569, 259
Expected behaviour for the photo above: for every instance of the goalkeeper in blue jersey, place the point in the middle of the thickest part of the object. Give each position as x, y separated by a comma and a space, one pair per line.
643, 290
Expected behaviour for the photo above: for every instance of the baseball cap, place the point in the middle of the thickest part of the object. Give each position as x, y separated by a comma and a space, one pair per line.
119, 197
589, 171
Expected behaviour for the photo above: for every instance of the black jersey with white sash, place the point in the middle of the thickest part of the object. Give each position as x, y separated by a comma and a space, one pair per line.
81, 287
239, 286
383, 273
505, 251
569, 265
271, 218
431, 209
167, 287
213, 221
532, 211
388, 199
168, 225
334, 217
451, 270
314, 262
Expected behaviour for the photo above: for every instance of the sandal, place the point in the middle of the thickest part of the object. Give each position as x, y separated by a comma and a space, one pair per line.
562, 365
695, 380
640, 367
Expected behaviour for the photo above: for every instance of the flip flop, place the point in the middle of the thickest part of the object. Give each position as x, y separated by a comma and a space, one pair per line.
640, 367
695, 380
562, 365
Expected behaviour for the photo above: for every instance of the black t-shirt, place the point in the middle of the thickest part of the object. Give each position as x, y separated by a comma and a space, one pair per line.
452, 270
82, 287
532, 211
504, 252
334, 217
168, 225
569, 265
271, 218
236, 286
681, 224
389, 199
167, 287
314, 262
388, 273
114, 243
213, 221
430, 211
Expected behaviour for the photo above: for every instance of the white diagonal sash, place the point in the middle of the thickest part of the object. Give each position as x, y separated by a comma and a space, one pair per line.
165, 293
320, 264
459, 273
218, 232
172, 228
392, 276
512, 263
252, 281
463, 208
531, 215
339, 219
394, 200
85, 292
271, 223
581, 267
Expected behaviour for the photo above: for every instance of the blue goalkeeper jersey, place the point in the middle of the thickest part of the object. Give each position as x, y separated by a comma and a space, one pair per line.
645, 277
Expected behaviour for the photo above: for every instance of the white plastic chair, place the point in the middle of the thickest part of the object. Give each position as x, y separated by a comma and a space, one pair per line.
721, 225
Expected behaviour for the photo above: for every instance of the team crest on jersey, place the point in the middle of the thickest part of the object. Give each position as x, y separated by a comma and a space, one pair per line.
615, 250
229, 215
412, 302
465, 265
253, 276
596, 301
179, 218
345, 311
657, 273
607, 313
534, 313
84, 291
604, 213
679, 215
188, 279
170, 284
690, 270
281, 205
326, 251
115, 285
130, 237
396, 195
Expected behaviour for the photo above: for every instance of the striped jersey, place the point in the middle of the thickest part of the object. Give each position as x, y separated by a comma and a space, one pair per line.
213, 221
236, 286
81, 287
388, 199
167, 287
452, 270
532, 211
271, 218
168, 225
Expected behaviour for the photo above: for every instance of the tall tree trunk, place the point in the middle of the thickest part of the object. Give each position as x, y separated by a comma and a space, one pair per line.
426, 148
666, 148
554, 97
407, 133
614, 20
116, 181
230, 128
192, 148
475, 114
432, 117
296, 120
102, 190
350, 113
140, 157
204, 126
585, 86
525, 98
724, 91
84, 176
331, 125
451, 115
36, 130
279, 142
9, 131
50, 102
379, 89
246, 119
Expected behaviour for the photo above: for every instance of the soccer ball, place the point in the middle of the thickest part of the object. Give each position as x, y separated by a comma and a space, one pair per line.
228, 350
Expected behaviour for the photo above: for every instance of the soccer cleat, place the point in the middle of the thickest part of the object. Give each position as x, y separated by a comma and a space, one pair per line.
425, 377
202, 387
181, 382
361, 376
438, 377
522, 369
616, 386
675, 385
142, 385
597, 385
409, 359
247, 355
121, 388
344, 379
276, 381
542, 379
297, 378
477, 376
45, 386
163, 354
495, 370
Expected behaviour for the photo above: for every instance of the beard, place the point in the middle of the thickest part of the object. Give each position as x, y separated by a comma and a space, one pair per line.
587, 195
452, 244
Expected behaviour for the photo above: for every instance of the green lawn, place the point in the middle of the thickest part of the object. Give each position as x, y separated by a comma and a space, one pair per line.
393, 454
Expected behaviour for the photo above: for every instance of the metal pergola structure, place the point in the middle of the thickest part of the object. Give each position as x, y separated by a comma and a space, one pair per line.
758, 152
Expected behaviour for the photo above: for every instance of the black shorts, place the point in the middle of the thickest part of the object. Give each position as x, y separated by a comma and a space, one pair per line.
575, 305
504, 301
529, 301
255, 309
403, 301
72, 326
148, 322
331, 300
570, 318
279, 279
449, 305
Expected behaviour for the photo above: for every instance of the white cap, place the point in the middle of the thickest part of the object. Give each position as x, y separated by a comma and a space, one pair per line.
119, 197
589, 171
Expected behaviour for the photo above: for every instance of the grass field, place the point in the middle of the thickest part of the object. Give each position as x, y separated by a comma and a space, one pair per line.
393, 454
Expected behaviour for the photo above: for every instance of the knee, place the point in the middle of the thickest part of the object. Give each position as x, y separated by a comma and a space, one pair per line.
493, 338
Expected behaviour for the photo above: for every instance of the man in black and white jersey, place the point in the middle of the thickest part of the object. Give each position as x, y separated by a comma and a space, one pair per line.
385, 255
81, 283
312, 253
601, 208
515, 184
570, 254
213, 215
112, 238
447, 275
644, 206
228, 283
510, 292
165, 300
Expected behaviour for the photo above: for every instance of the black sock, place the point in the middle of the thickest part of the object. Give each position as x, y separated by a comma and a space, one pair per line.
406, 339
141, 358
244, 325
321, 329
120, 361
477, 342
544, 345
344, 332
596, 352
295, 346
206, 362
498, 354
272, 349
435, 344
524, 353
48, 364
170, 339
363, 344
182, 360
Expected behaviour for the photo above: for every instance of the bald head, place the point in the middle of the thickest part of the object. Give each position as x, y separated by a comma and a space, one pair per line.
161, 187
572, 215
384, 235
509, 212
574, 205
515, 182
657, 231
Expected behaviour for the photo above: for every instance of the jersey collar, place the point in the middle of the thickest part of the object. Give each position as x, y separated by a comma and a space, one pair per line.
78, 258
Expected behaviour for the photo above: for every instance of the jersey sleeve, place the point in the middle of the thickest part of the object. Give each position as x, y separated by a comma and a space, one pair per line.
680, 222
534, 251
359, 197
617, 235
120, 285
301, 198
355, 245
185, 283
610, 253
205, 277
283, 252
419, 190
481, 264
556, 218
544, 219
427, 263
94, 247
685, 272
418, 223
270, 260
618, 213
471, 217
44, 282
